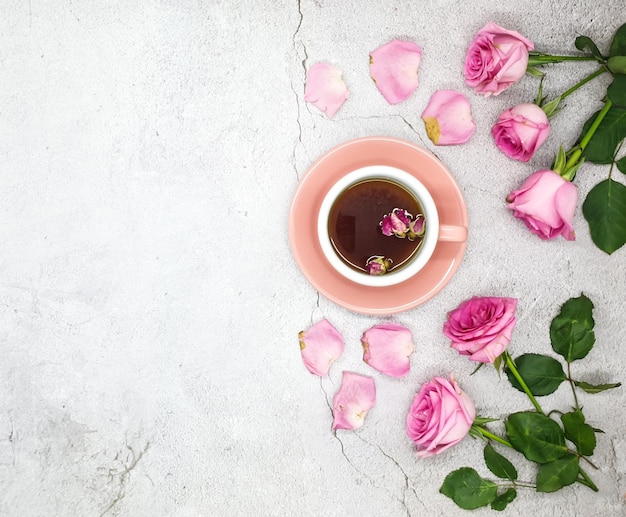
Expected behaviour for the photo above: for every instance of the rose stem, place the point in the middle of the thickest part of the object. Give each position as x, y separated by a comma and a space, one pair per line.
598, 72
573, 159
544, 59
571, 383
586, 480
511, 364
493, 437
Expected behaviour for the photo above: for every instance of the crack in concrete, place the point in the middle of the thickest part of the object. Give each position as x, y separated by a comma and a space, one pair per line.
293, 89
418, 136
123, 476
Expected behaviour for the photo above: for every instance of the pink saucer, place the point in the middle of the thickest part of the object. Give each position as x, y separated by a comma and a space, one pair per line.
308, 197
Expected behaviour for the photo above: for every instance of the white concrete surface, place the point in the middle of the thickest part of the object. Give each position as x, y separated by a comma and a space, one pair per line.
149, 301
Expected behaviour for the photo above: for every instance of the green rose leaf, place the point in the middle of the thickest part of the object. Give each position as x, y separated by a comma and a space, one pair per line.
578, 432
617, 89
611, 131
501, 502
536, 436
541, 373
571, 332
467, 489
596, 388
585, 43
559, 473
498, 464
618, 45
621, 164
605, 211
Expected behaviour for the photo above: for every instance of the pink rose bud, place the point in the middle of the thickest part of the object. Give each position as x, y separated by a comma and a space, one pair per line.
496, 59
417, 228
325, 88
377, 265
356, 396
320, 345
393, 68
520, 131
546, 204
440, 416
481, 327
396, 223
387, 348
448, 118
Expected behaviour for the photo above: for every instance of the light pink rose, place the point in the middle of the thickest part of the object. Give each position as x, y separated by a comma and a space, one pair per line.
356, 396
481, 327
496, 59
520, 131
320, 345
448, 118
546, 203
440, 416
325, 88
387, 348
393, 67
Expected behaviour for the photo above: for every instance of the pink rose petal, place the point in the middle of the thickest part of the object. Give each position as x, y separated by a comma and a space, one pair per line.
356, 396
387, 348
448, 118
325, 88
320, 345
393, 68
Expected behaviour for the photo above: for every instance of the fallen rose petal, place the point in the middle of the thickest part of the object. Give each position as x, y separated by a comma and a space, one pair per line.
448, 118
325, 88
387, 348
320, 345
393, 67
356, 396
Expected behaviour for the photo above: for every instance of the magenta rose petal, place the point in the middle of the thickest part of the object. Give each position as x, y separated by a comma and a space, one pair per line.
448, 118
320, 346
355, 397
393, 67
325, 88
387, 348
481, 327
546, 204
440, 417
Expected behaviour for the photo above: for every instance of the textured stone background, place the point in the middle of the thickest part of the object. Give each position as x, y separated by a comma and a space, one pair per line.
149, 301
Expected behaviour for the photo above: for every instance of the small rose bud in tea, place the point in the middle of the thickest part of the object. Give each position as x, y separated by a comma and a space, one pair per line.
417, 228
396, 223
377, 265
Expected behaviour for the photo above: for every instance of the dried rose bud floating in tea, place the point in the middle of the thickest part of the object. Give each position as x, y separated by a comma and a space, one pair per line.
356, 231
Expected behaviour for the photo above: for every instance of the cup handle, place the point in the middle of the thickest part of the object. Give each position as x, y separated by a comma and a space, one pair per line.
450, 233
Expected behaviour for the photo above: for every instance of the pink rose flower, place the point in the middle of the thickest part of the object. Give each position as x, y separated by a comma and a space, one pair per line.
440, 416
393, 67
387, 348
448, 118
546, 203
396, 223
520, 131
377, 265
356, 396
325, 88
496, 59
481, 327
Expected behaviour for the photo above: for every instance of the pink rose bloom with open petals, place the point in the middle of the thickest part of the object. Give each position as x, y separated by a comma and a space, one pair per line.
393, 67
521, 130
481, 327
325, 88
546, 203
356, 396
320, 345
448, 118
387, 347
440, 416
496, 59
